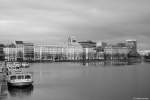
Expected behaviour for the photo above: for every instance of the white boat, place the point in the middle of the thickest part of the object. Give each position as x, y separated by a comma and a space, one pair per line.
25, 65
16, 67
20, 79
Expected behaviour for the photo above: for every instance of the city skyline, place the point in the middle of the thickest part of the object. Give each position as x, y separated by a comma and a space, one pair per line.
54, 21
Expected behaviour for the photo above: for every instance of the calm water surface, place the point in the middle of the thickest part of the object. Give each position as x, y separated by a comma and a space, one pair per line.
74, 81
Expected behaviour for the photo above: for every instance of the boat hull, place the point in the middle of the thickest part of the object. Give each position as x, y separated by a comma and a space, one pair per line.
19, 84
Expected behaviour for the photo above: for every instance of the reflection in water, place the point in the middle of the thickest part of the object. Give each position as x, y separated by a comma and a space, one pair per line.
112, 62
3, 87
20, 91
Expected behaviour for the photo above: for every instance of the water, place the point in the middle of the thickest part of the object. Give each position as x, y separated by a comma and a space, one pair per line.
75, 81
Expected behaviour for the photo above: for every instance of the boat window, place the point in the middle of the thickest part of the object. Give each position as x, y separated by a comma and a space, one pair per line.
13, 77
27, 77
20, 77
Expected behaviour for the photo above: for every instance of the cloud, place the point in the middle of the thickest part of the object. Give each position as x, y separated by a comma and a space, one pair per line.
54, 20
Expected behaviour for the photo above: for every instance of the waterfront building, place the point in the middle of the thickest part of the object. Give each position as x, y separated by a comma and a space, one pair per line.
100, 50
70, 51
132, 45
19, 50
89, 50
2, 56
10, 52
90, 53
74, 51
116, 52
46, 52
28, 51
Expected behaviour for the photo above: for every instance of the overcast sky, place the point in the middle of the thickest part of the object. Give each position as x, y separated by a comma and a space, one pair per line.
55, 20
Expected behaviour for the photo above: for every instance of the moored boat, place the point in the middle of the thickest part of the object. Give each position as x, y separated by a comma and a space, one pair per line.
16, 67
20, 79
25, 65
